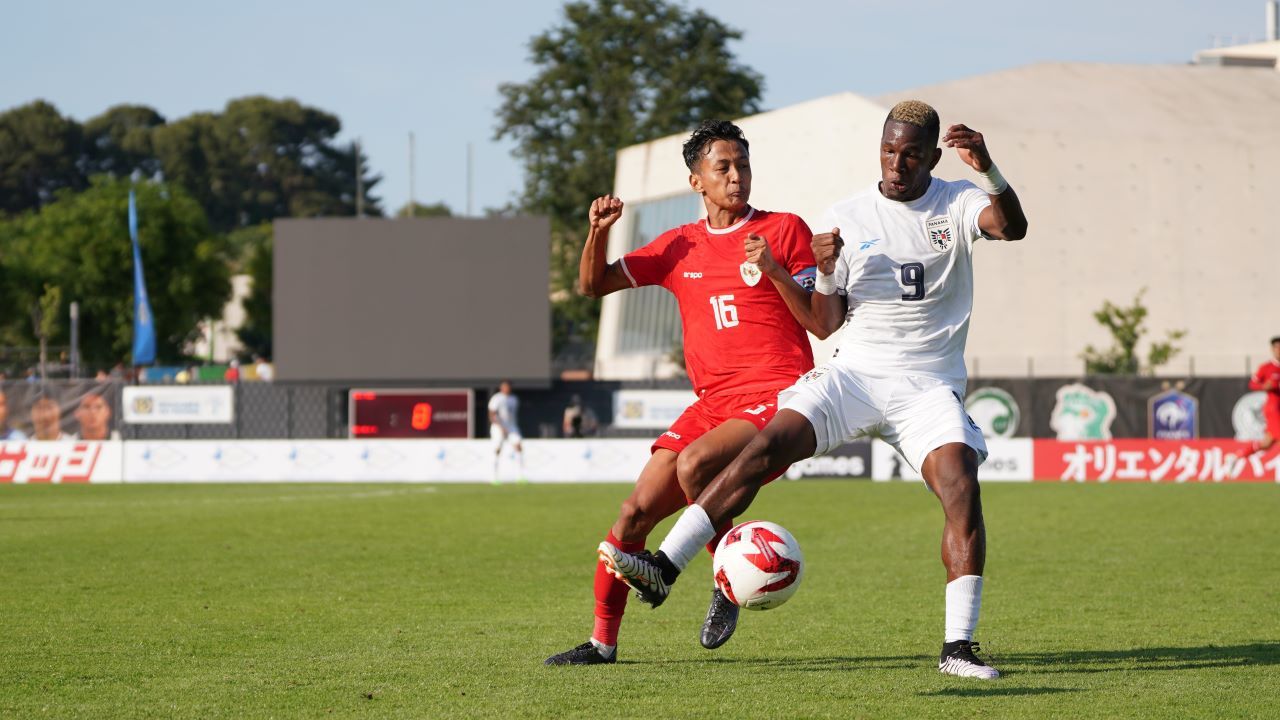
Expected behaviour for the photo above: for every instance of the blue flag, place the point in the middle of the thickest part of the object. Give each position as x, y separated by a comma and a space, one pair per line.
144, 327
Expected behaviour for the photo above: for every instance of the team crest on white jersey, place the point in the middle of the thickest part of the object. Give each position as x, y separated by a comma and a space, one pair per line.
750, 273
941, 234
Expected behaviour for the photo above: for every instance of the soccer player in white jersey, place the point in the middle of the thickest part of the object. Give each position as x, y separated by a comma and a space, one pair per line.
503, 429
896, 270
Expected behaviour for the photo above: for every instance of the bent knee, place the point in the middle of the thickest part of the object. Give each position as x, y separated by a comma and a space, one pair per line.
635, 518
695, 469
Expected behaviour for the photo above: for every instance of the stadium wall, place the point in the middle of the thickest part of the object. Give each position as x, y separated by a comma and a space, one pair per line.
603, 460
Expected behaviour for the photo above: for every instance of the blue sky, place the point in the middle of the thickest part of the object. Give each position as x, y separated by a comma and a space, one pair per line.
388, 67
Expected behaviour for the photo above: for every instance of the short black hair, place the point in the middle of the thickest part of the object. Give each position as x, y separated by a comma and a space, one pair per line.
708, 132
1275, 339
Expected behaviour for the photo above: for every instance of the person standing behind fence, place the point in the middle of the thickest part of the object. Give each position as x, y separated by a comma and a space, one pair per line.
6, 432
503, 429
1267, 379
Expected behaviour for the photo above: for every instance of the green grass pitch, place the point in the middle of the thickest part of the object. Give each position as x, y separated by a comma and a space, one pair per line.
442, 601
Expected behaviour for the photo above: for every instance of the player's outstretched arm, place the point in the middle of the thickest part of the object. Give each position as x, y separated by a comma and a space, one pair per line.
826, 303
1004, 220
595, 278
795, 296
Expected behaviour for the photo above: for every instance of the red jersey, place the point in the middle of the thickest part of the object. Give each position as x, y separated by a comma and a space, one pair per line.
1269, 371
738, 337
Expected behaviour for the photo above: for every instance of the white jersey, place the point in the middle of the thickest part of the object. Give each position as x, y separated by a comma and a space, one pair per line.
907, 271
504, 407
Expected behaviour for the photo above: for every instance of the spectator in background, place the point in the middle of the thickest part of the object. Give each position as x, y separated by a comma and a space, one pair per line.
264, 369
46, 419
102, 376
232, 375
94, 416
1267, 380
6, 432
31, 376
579, 420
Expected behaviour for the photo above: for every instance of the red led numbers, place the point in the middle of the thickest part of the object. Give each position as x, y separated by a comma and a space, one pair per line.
421, 416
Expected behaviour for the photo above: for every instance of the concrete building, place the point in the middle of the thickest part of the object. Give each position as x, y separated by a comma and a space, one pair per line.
1156, 177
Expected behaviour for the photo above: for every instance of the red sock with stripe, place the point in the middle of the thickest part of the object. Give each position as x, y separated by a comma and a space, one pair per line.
611, 596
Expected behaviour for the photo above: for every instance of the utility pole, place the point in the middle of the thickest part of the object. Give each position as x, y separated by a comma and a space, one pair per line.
359, 183
75, 340
468, 179
412, 203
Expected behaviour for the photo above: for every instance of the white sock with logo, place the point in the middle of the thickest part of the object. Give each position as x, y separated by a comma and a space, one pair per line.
606, 651
964, 601
691, 532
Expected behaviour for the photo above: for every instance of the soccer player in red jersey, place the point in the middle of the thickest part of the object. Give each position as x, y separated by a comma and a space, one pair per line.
737, 277
1267, 379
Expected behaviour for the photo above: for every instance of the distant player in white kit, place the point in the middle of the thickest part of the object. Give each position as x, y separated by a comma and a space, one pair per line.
897, 271
503, 429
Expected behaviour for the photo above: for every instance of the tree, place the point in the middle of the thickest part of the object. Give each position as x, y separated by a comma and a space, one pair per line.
615, 73
262, 158
255, 333
417, 209
39, 155
118, 142
79, 244
1127, 326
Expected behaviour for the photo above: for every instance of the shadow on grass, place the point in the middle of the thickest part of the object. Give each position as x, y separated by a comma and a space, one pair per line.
1152, 659
995, 691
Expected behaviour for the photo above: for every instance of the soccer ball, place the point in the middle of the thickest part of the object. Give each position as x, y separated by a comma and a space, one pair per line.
758, 565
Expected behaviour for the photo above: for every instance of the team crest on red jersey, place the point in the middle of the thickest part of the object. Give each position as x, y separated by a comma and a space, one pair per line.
941, 235
750, 273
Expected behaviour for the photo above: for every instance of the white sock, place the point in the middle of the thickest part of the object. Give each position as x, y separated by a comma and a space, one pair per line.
604, 650
520, 460
690, 533
964, 601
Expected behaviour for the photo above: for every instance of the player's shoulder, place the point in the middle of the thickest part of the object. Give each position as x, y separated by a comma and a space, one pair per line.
856, 202
953, 189
776, 219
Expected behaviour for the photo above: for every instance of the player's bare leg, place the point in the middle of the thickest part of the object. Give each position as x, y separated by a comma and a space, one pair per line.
951, 472
655, 497
786, 439
696, 468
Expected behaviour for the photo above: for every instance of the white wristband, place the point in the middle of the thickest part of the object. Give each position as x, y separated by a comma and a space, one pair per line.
824, 284
991, 181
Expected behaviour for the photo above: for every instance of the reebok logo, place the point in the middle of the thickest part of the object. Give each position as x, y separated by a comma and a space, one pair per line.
693, 275
866, 244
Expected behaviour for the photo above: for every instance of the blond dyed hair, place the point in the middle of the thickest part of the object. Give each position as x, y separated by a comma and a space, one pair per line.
917, 113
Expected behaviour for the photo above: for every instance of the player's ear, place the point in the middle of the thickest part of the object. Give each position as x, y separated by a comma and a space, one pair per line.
937, 155
695, 182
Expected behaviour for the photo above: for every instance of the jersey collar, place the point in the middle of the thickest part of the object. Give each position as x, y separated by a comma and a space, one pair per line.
732, 228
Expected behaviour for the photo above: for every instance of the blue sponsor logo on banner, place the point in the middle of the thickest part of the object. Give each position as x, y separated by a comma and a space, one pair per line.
1173, 415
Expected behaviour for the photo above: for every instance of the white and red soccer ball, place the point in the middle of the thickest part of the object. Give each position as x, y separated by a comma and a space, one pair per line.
758, 565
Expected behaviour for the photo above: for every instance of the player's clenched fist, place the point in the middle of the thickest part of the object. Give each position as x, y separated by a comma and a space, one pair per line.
605, 211
757, 249
826, 248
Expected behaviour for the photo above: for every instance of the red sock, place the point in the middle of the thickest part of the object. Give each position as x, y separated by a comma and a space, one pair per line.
720, 531
611, 596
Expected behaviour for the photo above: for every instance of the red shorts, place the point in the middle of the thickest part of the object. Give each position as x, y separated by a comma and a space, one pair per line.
708, 413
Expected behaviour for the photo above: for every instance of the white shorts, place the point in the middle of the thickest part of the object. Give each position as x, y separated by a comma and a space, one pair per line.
916, 415
495, 435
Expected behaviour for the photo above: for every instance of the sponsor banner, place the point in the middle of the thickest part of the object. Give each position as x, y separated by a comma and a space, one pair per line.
649, 409
381, 461
1246, 416
851, 460
995, 411
1008, 460
60, 462
150, 405
1153, 461
1082, 413
1173, 415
